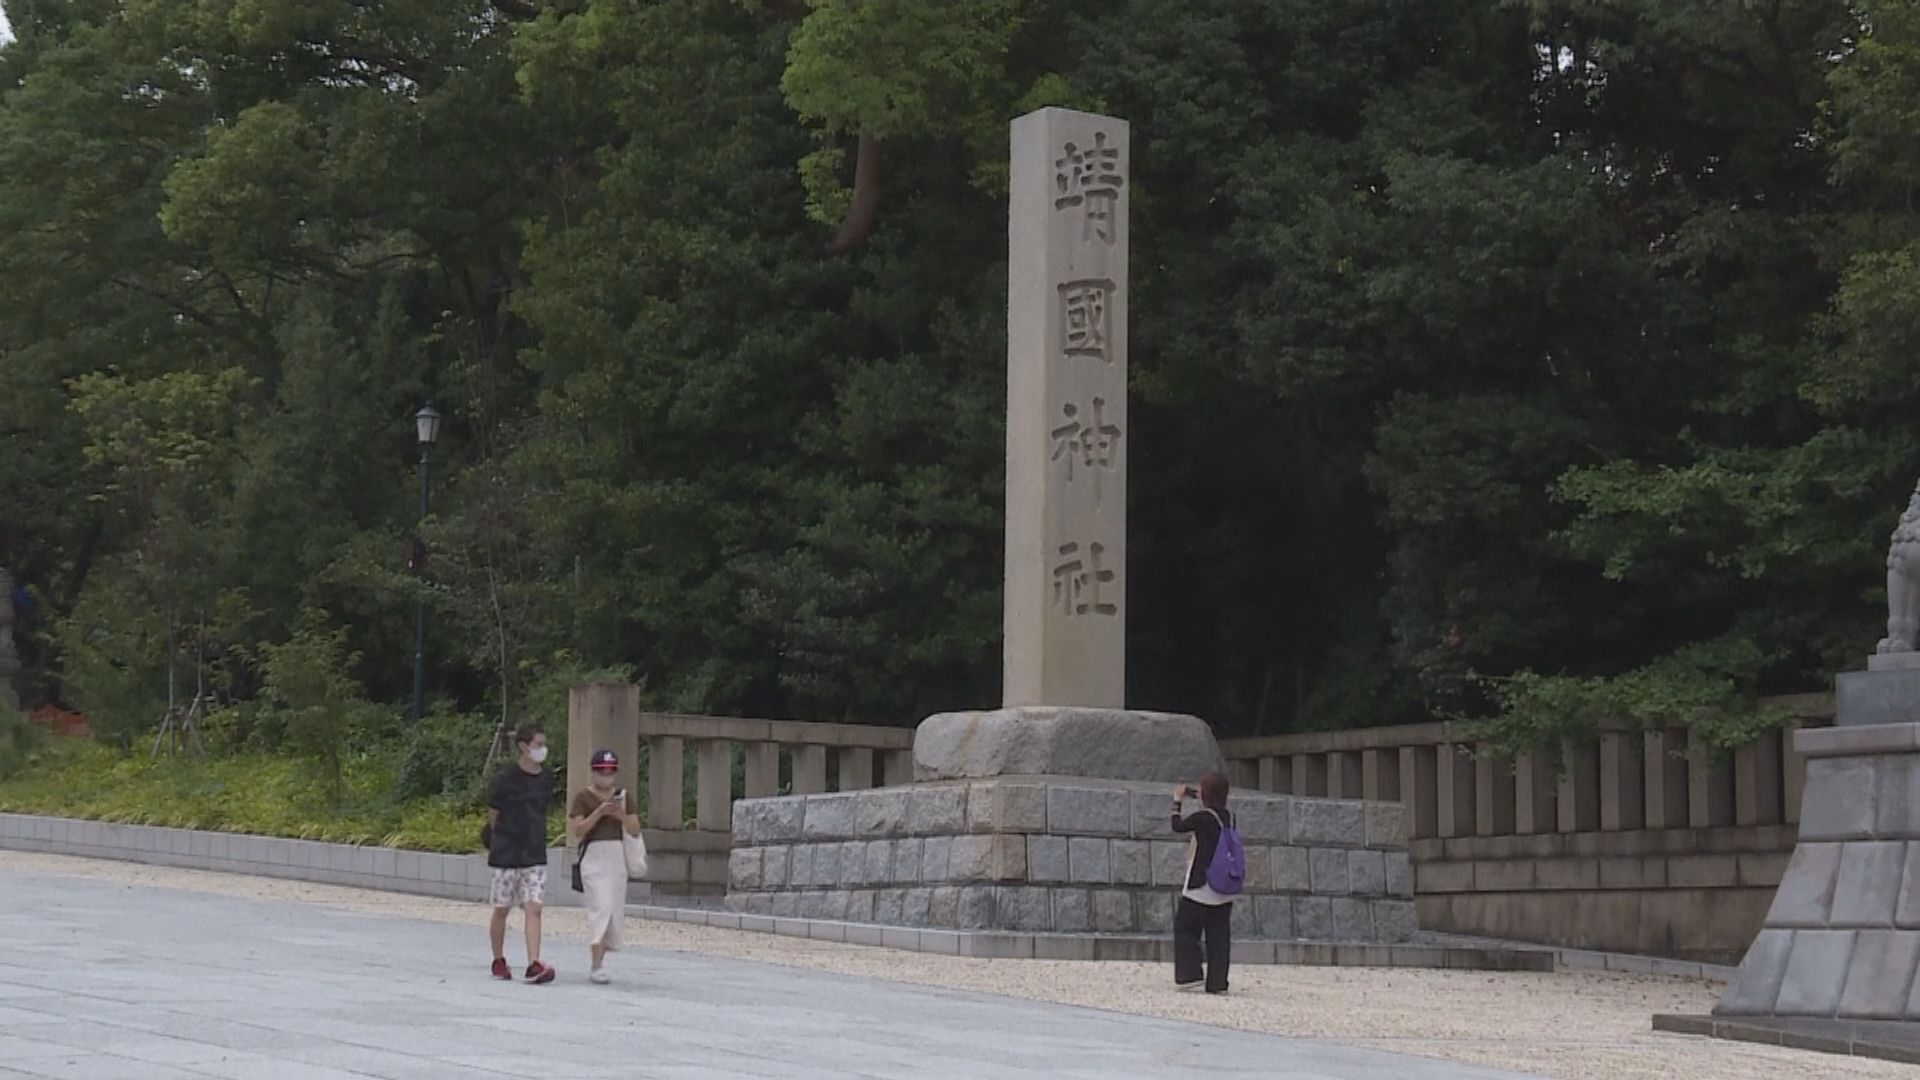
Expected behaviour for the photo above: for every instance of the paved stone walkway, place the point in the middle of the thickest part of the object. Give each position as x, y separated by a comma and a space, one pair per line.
105, 981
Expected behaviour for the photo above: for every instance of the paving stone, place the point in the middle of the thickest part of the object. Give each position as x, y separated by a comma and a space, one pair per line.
1275, 915
916, 907
1241, 924
1868, 888
774, 864
937, 811
1399, 866
769, 821
879, 862
1259, 868
1088, 811
1170, 863
1009, 858
829, 817
907, 859
1805, 897
1263, 820
744, 867
1881, 974
1896, 809
1292, 870
1072, 911
1816, 972
888, 907
1367, 872
1153, 912
970, 858
1132, 862
1394, 921
1386, 825
976, 908
943, 906
1023, 907
860, 906
1152, 815
1331, 876
1844, 808
800, 866
1313, 918
935, 856
1352, 920
1112, 911
1047, 859
1329, 822
879, 814
1091, 861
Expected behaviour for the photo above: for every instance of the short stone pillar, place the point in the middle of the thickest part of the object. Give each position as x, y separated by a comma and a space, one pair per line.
602, 716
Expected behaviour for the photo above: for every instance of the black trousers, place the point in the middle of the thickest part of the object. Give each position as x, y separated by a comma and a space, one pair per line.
1191, 922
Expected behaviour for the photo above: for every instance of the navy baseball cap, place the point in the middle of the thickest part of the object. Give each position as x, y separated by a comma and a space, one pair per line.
604, 759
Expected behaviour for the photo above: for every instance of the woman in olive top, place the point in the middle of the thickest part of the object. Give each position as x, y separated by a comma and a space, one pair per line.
597, 816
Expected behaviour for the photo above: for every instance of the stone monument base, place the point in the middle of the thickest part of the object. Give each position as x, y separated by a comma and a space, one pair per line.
1105, 744
1059, 855
1842, 940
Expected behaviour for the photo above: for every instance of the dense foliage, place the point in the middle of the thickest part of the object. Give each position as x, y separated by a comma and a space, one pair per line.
1473, 339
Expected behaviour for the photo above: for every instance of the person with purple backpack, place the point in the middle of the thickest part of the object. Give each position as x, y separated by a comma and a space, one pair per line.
1216, 873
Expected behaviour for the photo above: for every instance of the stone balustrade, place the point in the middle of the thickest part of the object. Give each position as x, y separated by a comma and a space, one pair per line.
1640, 841
689, 856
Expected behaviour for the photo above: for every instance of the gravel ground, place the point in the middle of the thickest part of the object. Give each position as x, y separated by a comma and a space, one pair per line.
1573, 1025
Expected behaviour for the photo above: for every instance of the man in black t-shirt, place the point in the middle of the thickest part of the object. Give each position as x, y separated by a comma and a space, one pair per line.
517, 849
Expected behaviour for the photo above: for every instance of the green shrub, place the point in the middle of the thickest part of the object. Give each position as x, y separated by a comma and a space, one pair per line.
307, 685
444, 756
21, 742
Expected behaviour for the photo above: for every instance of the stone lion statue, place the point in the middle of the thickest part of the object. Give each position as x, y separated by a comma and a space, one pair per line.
1903, 582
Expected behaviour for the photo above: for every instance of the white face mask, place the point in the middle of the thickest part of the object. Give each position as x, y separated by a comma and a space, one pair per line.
537, 755
603, 780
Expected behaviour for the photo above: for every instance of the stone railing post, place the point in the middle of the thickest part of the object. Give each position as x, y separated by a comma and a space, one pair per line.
1310, 775
856, 768
1343, 775
713, 795
1276, 774
1533, 794
1419, 788
1380, 775
1793, 778
809, 770
1456, 790
1493, 785
1579, 801
1709, 786
1666, 780
1244, 775
1623, 799
1757, 788
666, 782
763, 769
896, 767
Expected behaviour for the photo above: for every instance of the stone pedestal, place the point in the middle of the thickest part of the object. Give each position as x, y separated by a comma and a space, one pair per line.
1842, 940
1048, 855
1105, 744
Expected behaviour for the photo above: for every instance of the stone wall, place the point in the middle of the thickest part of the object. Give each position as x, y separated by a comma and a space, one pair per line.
1699, 894
1047, 855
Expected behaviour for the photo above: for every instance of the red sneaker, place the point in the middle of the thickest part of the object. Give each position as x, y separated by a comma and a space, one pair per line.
501, 970
538, 973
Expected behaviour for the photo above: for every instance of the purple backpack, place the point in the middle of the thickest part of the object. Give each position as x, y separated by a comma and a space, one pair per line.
1227, 873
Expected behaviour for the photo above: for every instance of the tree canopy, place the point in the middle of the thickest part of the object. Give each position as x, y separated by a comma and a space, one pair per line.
1527, 360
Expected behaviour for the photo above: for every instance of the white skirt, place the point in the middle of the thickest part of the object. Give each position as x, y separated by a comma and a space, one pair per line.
603, 872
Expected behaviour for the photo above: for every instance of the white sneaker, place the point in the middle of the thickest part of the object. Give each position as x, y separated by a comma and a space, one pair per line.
599, 977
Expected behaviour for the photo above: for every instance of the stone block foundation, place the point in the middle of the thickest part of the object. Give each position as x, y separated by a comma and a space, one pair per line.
1052, 855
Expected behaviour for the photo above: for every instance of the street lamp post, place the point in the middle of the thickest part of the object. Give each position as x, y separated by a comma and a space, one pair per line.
427, 427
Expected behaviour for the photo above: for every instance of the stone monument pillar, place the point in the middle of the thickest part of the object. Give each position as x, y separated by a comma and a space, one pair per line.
1050, 815
9, 656
1842, 940
1065, 603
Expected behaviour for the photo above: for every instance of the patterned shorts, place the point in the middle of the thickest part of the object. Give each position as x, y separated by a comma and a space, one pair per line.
521, 885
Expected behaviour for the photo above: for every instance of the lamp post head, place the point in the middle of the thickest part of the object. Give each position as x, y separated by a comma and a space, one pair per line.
427, 423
